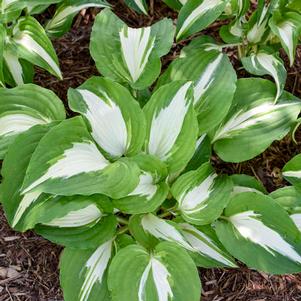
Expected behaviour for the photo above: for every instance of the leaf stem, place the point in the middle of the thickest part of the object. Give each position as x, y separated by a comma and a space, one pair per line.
122, 220
122, 230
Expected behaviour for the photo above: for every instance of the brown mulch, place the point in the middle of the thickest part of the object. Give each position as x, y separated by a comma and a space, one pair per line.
29, 264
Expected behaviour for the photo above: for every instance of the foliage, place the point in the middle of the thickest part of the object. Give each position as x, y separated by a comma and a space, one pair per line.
127, 186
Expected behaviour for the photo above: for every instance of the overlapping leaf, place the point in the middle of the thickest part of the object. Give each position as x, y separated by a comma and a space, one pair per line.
244, 183
138, 5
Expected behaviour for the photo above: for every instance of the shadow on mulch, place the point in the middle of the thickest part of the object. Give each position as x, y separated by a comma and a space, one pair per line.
29, 264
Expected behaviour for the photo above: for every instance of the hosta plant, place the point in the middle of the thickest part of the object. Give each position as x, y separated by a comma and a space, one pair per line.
24, 42
126, 184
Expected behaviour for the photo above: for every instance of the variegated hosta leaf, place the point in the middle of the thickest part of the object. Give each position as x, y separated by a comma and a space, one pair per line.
259, 232
76, 166
2, 45
16, 70
294, 5
202, 153
201, 242
13, 172
23, 107
171, 125
116, 120
287, 28
244, 183
264, 63
134, 53
290, 199
254, 121
196, 15
214, 82
202, 195
292, 171
65, 12
151, 190
34, 46
175, 4
237, 7
83, 273
258, 24
167, 274
138, 5
234, 31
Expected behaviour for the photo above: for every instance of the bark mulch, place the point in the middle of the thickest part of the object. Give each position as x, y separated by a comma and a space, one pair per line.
29, 264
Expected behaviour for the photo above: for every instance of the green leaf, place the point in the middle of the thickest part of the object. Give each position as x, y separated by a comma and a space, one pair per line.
287, 28
214, 82
292, 171
289, 198
171, 125
2, 45
23, 107
254, 121
151, 190
13, 172
244, 183
175, 4
262, 64
138, 5
202, 195
66, 11
74, 165
34, 46
83, 273
116, 120
233, 32
168, 274
196, 15
201, 155
258, 232
134, 53
82, 237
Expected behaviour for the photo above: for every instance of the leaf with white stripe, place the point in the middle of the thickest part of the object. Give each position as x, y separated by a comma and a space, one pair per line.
24, 107
134, 53
151, 190
13, 172
16, 70
244, 183
83, 273
214, 82
171, 125
74, 165
202, 195
66, 11
260, 233
138, 5
167, 274
287, 28
208, 251
267, 64
254, 120
292, 171
34, 46
2, 45
116, 120
196, 15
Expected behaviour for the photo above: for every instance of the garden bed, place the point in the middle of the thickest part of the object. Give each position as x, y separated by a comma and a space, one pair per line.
29, 264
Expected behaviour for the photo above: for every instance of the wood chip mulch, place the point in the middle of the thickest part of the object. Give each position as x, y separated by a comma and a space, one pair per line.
29, 264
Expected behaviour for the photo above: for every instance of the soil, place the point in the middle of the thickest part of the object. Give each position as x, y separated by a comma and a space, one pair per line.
29, 264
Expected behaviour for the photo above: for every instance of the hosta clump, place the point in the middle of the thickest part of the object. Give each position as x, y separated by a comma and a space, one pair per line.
127, 186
